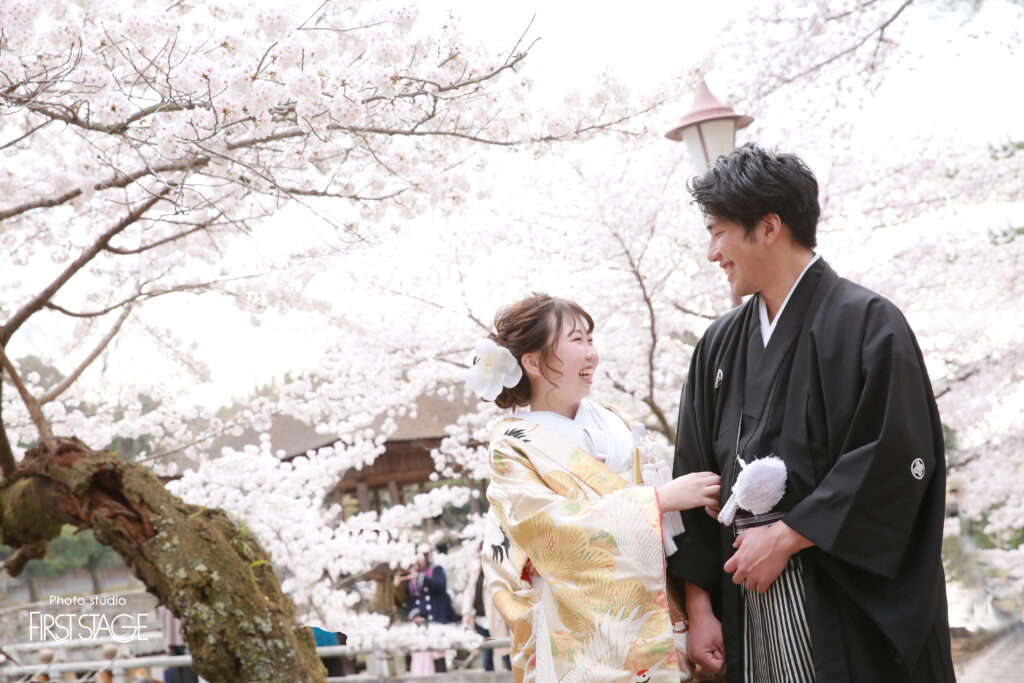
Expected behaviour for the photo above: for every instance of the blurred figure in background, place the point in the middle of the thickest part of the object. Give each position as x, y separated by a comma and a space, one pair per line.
478, 613
428, 602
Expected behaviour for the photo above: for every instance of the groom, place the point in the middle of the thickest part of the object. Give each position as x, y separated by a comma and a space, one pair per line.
843, 580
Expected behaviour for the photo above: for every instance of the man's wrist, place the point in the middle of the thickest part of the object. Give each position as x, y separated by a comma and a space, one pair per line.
697, 601
792, 540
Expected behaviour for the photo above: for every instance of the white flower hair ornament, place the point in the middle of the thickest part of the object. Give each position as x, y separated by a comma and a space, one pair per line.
758, 488
495, 368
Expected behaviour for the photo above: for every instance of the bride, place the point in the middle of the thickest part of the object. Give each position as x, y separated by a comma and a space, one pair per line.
583, 510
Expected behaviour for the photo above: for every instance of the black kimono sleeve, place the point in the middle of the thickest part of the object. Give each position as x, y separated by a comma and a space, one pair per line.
864, 509
698, 560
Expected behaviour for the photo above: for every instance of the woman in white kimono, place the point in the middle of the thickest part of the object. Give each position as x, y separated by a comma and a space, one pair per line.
582, 509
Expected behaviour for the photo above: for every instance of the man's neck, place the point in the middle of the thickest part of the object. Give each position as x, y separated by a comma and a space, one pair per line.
782, 279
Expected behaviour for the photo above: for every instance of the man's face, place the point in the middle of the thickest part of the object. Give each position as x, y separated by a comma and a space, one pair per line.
739, 255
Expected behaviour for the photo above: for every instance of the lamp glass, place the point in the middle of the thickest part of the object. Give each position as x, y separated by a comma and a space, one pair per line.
719, 138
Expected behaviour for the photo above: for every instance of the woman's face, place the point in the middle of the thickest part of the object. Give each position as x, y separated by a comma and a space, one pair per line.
571, 367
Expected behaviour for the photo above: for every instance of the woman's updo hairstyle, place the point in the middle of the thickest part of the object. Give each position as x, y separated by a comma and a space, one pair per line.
533, 324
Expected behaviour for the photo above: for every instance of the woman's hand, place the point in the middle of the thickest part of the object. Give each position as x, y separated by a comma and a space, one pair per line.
699, 489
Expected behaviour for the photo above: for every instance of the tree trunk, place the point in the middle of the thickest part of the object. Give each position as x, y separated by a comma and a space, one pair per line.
213, 575
94, 574
33, 592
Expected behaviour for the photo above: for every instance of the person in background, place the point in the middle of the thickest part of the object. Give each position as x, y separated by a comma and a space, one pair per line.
478, 613
428, 602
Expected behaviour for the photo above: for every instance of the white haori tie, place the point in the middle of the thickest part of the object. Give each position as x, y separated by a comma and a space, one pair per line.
656, 472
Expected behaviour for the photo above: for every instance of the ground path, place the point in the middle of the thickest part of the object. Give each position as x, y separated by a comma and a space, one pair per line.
1001, 662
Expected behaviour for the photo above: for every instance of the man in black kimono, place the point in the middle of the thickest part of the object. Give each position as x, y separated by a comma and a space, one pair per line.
842, 580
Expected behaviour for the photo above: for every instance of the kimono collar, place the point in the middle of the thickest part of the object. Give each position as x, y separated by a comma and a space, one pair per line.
768, 327
550, 452
603, 434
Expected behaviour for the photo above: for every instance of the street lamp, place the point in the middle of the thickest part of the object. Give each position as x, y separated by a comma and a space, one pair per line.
709, 128
709, 131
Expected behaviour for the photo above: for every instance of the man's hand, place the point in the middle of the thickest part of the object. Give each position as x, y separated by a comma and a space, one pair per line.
704, 644
762, 553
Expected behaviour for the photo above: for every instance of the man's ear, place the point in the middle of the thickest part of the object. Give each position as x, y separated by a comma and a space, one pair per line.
531, 364
771, 227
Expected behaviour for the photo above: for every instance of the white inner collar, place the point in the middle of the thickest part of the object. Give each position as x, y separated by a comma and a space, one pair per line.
768, 327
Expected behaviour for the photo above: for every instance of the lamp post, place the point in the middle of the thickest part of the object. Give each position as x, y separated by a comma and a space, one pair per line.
709, 131
709, 128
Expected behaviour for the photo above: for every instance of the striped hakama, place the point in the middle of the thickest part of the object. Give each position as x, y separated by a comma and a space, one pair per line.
776, 639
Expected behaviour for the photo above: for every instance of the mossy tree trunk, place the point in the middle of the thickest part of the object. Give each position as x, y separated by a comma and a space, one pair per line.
212, 574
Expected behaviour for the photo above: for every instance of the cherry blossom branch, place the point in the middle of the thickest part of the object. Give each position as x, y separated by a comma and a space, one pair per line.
296, 192
63, 113
296, 131
965, 375
35, 410
118, 182
510, 63
880, 30
158, 243
688, 311
84, 258
860, 7
634, 268
7, 462
87, 361
26, 135
146, 296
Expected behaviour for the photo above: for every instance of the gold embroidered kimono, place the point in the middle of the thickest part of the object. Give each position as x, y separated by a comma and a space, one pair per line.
575, 562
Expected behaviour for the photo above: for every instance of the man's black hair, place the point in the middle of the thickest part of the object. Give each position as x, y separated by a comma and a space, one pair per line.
751, 182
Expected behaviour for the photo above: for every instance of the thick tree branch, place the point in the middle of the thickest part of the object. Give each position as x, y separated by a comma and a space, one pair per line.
7, 462
35, 409
119, 181
58, 113
84, 258
212, 574
87, 361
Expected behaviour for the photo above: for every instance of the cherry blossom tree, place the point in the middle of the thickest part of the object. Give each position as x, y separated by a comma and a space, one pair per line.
142, 141
146, 148
621, 238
